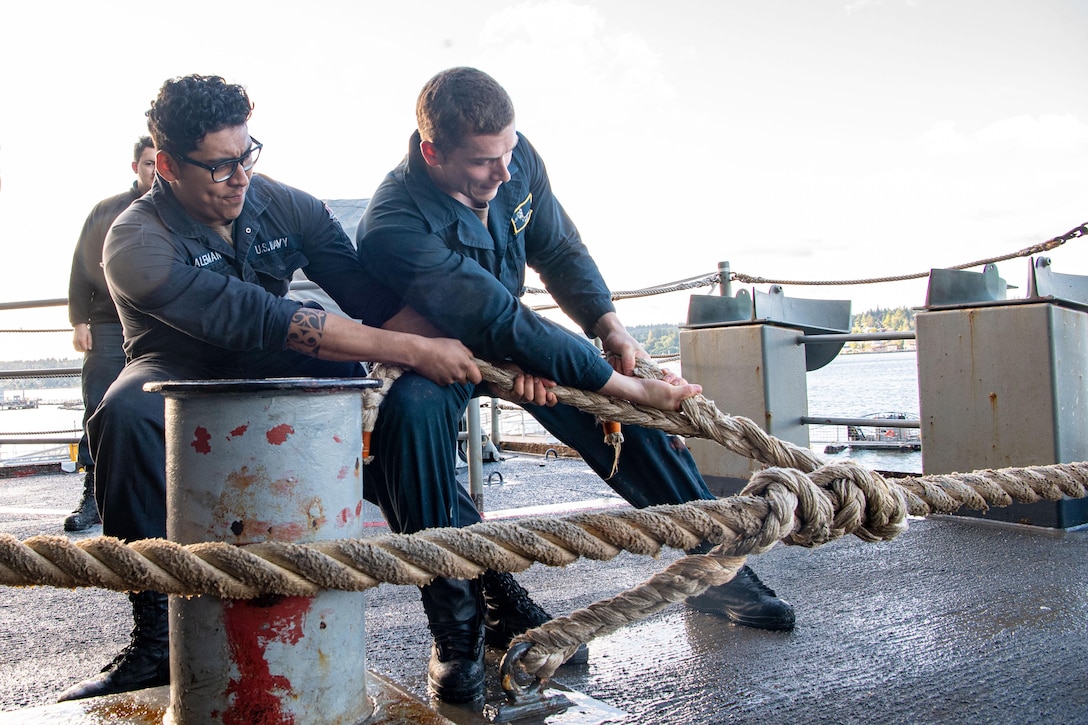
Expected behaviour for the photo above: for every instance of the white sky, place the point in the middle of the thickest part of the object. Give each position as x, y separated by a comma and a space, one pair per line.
796, 139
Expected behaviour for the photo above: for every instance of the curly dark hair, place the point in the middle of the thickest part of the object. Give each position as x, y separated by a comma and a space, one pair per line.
187, 109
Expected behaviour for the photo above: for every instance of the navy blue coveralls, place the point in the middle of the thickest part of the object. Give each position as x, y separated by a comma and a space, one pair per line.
467, 280
89, 303
194, 308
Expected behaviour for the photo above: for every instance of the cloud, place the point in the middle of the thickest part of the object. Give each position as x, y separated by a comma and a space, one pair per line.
1064, 134
858, 5
580, 52
944, 139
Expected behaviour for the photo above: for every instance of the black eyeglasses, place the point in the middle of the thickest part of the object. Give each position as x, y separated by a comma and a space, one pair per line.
226, 169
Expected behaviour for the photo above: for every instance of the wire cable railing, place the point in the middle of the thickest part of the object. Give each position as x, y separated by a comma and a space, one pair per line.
721, 278
45, 443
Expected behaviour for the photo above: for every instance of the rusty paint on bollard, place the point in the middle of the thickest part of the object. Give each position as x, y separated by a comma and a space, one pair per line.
250, 461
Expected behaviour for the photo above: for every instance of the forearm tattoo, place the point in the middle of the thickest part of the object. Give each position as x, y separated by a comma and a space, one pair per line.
307, 326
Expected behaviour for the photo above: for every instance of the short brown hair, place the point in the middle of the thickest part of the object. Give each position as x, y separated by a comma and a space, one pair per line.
145, 142
461, 102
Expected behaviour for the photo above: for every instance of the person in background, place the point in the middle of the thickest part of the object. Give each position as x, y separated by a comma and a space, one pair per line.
96, 327
452, 229
198, 268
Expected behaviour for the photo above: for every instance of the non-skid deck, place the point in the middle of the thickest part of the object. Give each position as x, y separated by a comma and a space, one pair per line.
957, 621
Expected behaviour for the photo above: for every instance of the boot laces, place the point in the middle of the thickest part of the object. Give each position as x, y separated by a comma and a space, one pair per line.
506, 599
453, 644
139, 640
117, 660
129, 650
747, 579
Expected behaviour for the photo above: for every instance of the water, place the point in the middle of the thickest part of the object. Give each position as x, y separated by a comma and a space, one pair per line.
853, 386
47, 419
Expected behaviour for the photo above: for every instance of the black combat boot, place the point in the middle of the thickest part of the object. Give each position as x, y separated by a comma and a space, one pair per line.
510, 612
455, 673
86, 514
145, 662
746, 601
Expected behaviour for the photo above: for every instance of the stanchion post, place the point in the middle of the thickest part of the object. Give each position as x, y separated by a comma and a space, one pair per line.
475, 451
496, 424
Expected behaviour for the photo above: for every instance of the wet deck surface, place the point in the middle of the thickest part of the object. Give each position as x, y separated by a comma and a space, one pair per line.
957, 621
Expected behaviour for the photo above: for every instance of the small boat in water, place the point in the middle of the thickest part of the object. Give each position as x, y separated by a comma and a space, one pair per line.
19, 404
881, 437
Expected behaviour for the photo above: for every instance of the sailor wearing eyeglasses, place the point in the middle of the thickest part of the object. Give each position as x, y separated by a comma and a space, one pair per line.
198, 269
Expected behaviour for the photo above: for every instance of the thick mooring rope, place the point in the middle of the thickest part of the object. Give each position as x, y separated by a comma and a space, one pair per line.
799, 501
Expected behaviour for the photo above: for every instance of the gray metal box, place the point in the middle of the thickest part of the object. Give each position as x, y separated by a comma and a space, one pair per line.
755, 371
1004, 386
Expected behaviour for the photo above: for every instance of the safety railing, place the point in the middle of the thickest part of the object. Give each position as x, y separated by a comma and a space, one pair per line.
35, 441
723, 278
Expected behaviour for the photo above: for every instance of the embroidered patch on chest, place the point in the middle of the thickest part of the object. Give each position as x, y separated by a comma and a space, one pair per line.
522, 213
203, 260
272, 245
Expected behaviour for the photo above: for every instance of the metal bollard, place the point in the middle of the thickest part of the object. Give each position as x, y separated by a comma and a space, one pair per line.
266, 460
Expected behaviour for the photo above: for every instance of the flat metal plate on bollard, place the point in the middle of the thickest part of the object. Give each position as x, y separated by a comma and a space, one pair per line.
811, 317
957, 287
1046, 284
711, 309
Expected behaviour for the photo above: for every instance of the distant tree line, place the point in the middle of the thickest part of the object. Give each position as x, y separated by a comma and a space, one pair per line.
664, 339
39, 383
892, 319
657, 339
